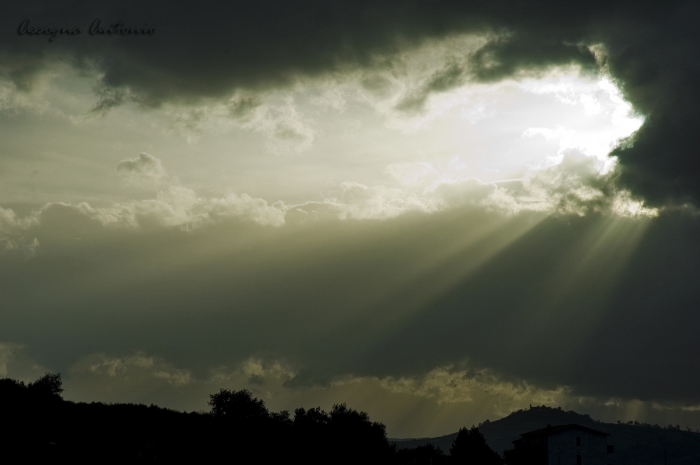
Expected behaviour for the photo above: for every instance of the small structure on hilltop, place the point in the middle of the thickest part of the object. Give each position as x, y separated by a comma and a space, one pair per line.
561, 445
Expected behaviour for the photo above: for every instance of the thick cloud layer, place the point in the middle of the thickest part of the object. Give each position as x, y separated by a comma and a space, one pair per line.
467, 294
212, 49
604, 306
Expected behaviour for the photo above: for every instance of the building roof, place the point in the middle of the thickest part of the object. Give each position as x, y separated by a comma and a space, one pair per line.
549, 430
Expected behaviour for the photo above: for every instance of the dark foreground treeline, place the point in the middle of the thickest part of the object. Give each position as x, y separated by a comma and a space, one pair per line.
39, 425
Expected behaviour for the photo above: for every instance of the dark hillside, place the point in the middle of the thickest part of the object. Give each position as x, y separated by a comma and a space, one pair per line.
634, 443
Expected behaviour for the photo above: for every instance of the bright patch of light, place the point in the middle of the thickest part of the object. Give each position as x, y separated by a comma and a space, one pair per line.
478, 122
622, 116
607, 117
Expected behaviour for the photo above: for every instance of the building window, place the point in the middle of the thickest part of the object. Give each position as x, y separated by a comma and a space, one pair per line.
611, 449
578, 460
578, 441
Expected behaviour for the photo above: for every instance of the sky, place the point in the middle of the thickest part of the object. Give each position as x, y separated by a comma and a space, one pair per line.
437, 212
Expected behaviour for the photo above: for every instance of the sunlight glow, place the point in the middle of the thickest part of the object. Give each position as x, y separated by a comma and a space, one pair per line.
607, 117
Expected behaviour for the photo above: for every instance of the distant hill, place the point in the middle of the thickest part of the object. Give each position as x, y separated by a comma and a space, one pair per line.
639, 444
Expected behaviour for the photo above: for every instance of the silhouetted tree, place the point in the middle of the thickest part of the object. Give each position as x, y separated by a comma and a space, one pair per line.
49, 385
281, 418
43, 427
355, 438
239, 405
312, 435
11, 391
426, 454
470, 448
34, 413
242, 424
311, 418
14, 405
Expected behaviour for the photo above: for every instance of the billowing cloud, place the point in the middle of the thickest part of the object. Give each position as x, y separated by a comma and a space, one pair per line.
285, 130
358, 201
272, 45
134, 366
143, 169
15, 362
412, 298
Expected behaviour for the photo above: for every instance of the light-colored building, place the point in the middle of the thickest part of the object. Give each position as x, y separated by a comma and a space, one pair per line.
564, 445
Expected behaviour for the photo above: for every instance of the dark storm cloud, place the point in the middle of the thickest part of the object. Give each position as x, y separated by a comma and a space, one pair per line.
556, 306
241, 107
440, 81
213, 48
602, 322
110, 97
210, 49
659, 69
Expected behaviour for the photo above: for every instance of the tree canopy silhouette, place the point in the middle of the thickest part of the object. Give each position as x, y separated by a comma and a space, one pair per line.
238, 405
49, 385
470, 448
355, 438
426, 454
239, 428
